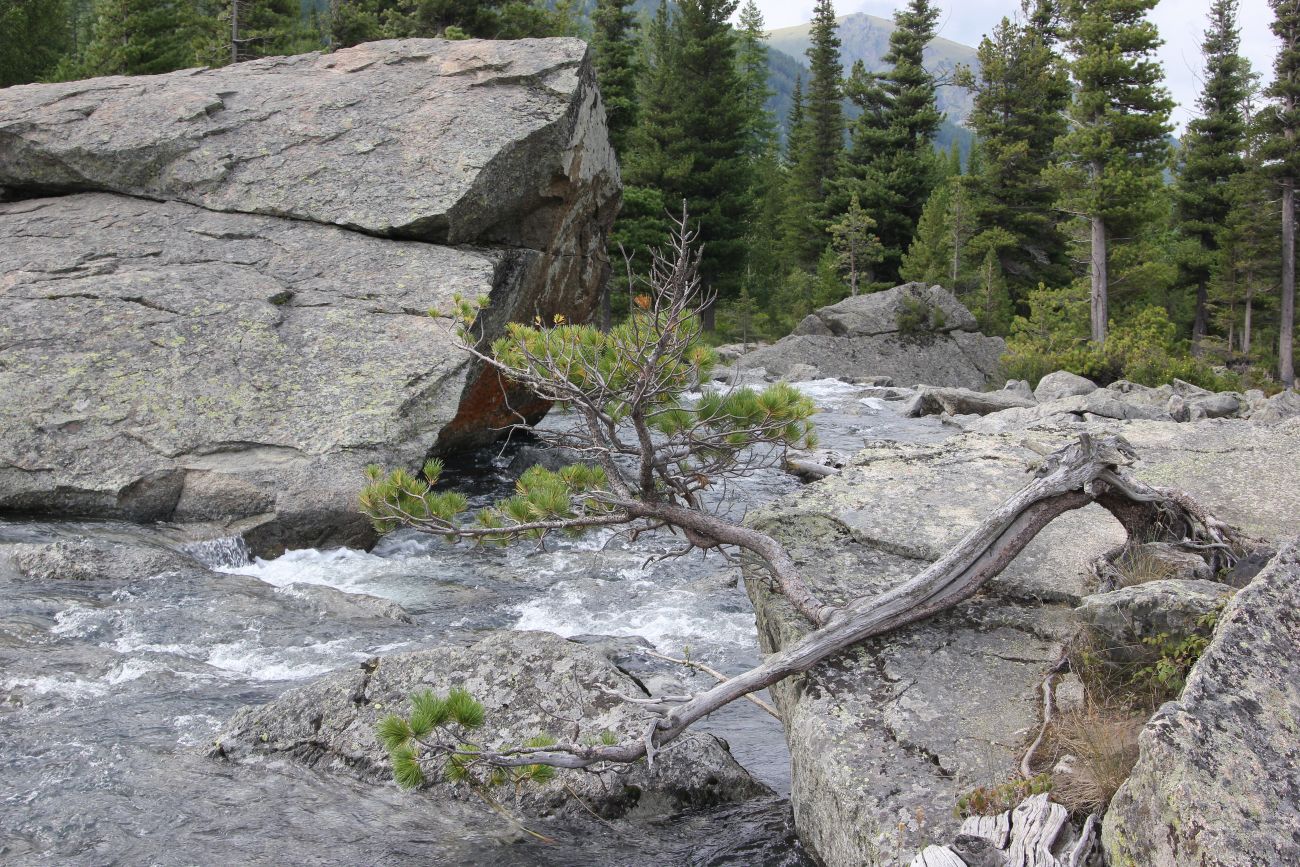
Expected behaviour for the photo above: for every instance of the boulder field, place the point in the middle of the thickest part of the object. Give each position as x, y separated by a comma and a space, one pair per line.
215, 283
886, 736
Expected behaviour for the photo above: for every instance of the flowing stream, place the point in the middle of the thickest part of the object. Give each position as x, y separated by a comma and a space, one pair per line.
111, 691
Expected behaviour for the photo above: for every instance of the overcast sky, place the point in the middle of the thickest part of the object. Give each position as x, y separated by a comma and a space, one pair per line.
1181, 23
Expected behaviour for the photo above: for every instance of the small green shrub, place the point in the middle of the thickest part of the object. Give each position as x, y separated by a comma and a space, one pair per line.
1177, 654
992, 800
436, 736
917, 320
1142, 347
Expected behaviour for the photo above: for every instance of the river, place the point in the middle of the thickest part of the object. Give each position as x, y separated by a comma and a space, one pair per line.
111, 691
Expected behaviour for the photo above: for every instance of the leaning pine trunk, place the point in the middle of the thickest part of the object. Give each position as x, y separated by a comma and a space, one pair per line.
1285, 362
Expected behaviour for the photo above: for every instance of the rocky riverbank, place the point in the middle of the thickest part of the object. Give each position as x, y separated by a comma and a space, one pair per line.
886, 737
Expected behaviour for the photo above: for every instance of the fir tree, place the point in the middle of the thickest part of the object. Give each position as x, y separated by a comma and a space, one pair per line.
34, 34
1282, 149
1021, 94
856, 247
1114, 153
141, 37
709, 105
798, 220
1212, 154
814, 155
822, 109
752, 55
614, 44
891, 164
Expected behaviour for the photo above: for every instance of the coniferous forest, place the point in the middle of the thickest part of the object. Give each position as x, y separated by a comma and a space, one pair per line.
1077, 225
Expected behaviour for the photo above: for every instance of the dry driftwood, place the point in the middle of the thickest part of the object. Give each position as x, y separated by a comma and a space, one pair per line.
1087, 471
1037, 833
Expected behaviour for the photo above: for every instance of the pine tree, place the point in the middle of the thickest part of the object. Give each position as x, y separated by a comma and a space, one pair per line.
1114, 153
751, 52
1282, 148
799, 200
614, 45
1212, 154
141, 37
855, 244
814, 157
34, 34
822, 109
710, 109
247, 29
1021, 94
891, 164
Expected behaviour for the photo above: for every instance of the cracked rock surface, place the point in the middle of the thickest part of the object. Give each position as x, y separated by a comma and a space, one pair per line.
886, 736
214, 283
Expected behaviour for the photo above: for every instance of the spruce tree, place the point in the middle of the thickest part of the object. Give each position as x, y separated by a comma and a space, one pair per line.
1021, 94
141, 37
891, 164
34, 34
814, 159
822, 109
1282, 149
614, 45
798, 224
1113, 156
710, 109
1212, 154
751, 52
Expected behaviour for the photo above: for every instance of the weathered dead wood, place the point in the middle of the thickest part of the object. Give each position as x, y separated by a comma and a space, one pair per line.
1037, 833
1089, 470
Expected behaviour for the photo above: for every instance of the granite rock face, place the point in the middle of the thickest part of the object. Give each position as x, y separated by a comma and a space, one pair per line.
528, 683
1120, 621
886, 736
1217, 782
864, 337
237, 329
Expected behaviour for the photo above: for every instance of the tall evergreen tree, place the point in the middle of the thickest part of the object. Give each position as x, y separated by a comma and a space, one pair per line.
614, 44
141, 37
1113, 156
822, 108
34, 34
814, 158
760, 125
1282, 148
1212, 154
247, 29
891, 164
1021, 94
710, 105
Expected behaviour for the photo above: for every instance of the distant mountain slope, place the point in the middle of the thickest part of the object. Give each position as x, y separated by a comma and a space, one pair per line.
866, 38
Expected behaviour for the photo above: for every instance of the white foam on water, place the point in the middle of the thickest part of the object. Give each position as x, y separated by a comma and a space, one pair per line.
873, 403
69, 687
76, 621
667, 618
827, 389
341, 568
257, 663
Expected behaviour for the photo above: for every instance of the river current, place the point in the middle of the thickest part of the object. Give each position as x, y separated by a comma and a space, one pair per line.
111, 691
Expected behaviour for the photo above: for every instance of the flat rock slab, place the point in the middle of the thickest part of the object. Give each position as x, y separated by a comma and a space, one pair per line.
164, 362
445, 141
530, 683
885, 737
1217, 782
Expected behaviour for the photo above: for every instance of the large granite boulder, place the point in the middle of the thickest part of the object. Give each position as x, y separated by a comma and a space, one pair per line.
886, 736
870, 335
530, 683
1217, 782
237, 329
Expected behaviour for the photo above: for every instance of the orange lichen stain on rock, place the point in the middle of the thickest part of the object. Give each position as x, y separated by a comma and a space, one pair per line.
488, 407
